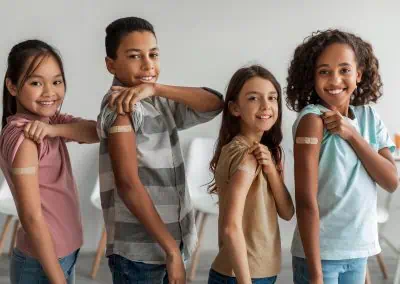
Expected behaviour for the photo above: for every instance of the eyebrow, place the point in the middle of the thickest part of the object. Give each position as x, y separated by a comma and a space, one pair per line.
327, 65
259, 93
139, 50
40, 76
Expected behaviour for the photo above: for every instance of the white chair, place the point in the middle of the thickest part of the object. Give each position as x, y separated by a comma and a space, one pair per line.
200, 153
7, 207
95, 199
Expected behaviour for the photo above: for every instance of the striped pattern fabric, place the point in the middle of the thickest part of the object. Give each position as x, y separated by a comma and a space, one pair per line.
156, 122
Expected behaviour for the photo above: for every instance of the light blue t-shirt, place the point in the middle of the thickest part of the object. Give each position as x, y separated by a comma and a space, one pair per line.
347, 195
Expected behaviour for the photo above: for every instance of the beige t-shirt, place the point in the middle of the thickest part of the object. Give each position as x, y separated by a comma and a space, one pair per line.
260, 221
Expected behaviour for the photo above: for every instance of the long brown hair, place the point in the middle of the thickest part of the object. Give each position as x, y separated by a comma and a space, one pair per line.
230, 125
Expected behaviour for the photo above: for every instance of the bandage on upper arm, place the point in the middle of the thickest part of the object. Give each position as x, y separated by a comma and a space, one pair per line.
120, 128
307, 140
246, 166
24, 171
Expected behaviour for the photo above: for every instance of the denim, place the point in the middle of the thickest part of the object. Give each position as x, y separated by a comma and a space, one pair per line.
348, 271
217, 278
125, 271
27, 270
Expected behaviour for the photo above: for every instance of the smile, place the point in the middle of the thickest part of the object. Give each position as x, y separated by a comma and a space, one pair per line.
336, 91
264, 116
147, 78
47, 103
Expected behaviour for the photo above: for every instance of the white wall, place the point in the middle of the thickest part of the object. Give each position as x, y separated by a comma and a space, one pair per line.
202, 43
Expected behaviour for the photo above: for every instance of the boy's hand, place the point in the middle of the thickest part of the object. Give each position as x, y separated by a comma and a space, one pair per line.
175, 269
263, 156
336, 124
38, 130
124, 99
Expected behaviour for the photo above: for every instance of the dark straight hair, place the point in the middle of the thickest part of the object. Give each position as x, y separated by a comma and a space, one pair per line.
19, 69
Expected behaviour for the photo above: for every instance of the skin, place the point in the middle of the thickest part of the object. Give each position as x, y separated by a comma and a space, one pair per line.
336, 78
41, 96
137, 67
257, 108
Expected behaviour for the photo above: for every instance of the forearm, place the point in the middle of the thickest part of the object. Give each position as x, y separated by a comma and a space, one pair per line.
283, 200
235, 243
308, 223
43, 248
382, 170
139, 203
82, 131
197, 99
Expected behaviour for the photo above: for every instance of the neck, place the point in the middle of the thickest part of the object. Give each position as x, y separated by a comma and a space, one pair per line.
251, 136
343, 109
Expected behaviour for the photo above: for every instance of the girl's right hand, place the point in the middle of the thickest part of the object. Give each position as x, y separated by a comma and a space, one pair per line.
175, 269
38, 130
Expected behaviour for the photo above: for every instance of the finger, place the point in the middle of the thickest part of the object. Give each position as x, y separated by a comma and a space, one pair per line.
330, 119
118, 88
33, 128
42, 136
119, 102
329, 114
38, 133
252, 148
114, 95
332, 125
26, 129
127, 101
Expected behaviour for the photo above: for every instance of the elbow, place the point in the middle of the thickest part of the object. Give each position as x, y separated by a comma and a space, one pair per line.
392, 185
31, 220
288, 214
230, 233
307, 208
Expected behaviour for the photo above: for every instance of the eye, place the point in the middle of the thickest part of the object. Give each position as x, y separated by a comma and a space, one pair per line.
273, 98
35, 83
323, 72
154, 55
134, 56
346, 70
58, 82
252, 98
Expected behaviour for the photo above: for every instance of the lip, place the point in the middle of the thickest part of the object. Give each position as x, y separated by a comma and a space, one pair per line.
146, 78
46, 103
264, 116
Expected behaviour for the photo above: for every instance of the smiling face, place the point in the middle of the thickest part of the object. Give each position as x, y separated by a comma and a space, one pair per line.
137, 59
43, 91
257, 107
336, 76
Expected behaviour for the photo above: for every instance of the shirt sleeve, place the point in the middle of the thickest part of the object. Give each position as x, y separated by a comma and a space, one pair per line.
185, 117
64, 118
237, 153
107, 117
382, 136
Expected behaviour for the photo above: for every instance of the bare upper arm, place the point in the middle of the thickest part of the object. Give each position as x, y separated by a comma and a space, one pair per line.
26, 186
306, 158
237, 190
122, 150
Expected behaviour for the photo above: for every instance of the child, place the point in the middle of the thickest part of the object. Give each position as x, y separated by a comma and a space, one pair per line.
146, 205
342, 149
35, 161
248, 179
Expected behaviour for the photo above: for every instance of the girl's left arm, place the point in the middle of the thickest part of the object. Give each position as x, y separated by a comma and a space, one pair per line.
283, 200
381, 166
82, 131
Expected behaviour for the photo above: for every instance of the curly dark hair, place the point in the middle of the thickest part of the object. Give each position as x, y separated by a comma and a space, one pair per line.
230, 124
300, 81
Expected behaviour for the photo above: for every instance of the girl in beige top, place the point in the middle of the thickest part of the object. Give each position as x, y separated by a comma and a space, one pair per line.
247, 166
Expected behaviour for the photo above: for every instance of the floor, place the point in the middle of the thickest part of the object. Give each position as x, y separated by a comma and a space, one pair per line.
103, 276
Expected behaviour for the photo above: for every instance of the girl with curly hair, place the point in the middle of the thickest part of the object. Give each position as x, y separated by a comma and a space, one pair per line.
342, 150
247, 167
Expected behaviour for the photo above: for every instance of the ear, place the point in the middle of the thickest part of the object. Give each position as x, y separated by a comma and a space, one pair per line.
359, 76
11, 87
234, 109
110, 65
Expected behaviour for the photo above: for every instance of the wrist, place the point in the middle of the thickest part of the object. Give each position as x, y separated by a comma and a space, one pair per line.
55, 130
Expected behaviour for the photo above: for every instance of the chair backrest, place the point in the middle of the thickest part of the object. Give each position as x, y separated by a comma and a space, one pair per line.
95, 195
200, 153
5, 192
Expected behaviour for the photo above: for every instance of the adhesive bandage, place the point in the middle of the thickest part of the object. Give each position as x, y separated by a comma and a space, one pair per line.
117, 129
246, 169
24, 171
306, 140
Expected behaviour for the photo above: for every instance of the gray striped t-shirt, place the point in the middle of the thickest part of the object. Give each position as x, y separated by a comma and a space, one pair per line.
156, 122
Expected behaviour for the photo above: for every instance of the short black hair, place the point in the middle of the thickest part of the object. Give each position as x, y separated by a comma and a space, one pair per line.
120, 28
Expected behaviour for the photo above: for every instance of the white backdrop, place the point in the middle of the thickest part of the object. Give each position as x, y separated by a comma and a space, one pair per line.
202, 43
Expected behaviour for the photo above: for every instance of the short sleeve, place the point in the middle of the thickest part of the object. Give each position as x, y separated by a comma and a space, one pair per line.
382, 136
310, 109
236, 154
185, 117
107, 117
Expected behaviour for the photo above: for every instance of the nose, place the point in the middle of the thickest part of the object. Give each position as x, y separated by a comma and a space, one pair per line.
48, 89
265, 104
335, 78
147, 63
